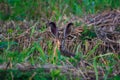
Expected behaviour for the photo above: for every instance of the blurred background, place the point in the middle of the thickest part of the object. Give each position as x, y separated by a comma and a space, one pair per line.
37, 9
26, 42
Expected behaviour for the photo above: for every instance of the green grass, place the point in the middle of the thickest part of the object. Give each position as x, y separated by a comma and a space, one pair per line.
38, 9
53, 10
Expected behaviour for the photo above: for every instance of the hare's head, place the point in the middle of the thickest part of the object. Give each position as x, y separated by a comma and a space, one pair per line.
60, 36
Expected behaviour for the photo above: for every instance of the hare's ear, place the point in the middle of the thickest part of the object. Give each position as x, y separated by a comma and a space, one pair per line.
54, 29
68, 30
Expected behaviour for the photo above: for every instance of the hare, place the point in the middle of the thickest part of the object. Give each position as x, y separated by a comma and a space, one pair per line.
60, 38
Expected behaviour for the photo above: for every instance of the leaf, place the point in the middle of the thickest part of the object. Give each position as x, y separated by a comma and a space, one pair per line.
5, 44
55, 73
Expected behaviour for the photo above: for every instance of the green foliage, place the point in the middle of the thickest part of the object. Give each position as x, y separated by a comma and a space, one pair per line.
36, 9
108, 68
6, 44
117, 77
88, 34
13, 74
55, 74
52, 10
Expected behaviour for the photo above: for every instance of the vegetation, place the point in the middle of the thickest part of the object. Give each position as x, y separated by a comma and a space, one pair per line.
27, 50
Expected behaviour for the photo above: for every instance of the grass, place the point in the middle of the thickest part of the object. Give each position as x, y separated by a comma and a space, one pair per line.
53, 8
38, 13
